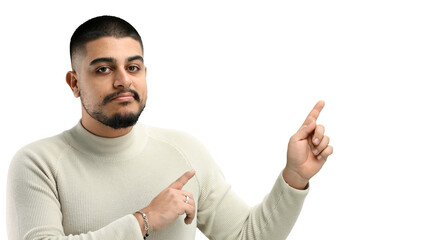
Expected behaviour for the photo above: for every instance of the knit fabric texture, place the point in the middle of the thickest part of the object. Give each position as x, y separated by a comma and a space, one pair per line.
76, 185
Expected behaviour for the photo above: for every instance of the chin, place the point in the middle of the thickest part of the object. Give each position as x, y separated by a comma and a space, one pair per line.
120, 121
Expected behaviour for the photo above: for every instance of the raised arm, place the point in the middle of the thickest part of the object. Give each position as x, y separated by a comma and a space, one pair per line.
222, 215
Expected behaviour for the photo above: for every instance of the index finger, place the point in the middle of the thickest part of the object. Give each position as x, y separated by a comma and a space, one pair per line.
180, 182
313, 115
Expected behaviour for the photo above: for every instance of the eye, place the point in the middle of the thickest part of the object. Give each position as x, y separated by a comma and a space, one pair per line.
133, 68
103, 70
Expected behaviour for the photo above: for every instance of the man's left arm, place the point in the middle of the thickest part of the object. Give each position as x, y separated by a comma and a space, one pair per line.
223, 215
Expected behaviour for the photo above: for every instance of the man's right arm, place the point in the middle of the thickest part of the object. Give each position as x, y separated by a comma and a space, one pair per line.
34, 210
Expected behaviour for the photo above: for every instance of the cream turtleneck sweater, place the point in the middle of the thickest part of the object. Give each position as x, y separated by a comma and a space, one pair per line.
79, 186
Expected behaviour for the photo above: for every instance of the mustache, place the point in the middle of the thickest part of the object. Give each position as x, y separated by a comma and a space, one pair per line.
111, 96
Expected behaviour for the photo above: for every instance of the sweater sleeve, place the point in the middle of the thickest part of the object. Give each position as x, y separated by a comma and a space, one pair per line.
222, 215
34, 209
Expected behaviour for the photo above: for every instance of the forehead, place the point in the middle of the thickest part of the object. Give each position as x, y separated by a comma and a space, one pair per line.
117, 48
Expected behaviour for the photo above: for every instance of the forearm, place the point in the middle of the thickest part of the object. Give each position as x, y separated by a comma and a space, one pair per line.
121, 229
34, 210
275, 217
141, 223
272, 219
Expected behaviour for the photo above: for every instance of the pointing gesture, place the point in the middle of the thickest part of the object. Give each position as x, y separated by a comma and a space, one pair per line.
166, 207
180, 182
308, 150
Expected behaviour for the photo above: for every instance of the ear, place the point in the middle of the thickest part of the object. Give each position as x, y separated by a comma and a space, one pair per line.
72, 81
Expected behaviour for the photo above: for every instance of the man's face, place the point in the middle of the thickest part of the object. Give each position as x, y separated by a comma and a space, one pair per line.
112, 81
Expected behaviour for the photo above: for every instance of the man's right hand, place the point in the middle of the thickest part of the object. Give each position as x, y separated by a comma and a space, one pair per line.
165, 208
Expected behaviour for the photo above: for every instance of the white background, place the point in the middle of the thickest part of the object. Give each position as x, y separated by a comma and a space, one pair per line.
241, 76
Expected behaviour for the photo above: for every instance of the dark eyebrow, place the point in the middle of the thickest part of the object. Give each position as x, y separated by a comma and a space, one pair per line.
137, 57
102, 59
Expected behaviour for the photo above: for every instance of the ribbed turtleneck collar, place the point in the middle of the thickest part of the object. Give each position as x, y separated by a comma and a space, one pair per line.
119, 148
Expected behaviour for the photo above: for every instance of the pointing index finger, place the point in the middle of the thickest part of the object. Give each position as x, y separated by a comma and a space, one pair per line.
180, 182
313, 115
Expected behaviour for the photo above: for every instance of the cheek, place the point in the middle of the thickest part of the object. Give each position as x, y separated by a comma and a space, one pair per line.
141, 88
97, 93
90, 98
84, 97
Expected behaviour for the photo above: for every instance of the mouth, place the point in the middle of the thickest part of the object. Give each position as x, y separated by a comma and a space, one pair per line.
122, 96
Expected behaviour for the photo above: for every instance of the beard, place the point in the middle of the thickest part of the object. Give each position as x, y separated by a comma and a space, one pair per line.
117, 120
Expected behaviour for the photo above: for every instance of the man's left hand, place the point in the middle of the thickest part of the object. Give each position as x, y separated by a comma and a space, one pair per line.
307, 152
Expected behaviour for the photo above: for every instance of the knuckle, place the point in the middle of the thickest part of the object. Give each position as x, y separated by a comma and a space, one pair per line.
328, 151
178, 183
319, 132
327, 139
177, 194
176, 201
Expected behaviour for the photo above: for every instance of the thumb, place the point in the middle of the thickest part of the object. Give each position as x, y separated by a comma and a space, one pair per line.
305, 131
180, 182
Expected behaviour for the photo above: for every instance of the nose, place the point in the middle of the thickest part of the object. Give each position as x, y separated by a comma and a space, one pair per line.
122, 79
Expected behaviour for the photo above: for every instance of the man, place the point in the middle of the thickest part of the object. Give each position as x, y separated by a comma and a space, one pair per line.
107, 178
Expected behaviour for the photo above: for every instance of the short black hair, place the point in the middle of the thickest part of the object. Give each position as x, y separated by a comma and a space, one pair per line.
102, 26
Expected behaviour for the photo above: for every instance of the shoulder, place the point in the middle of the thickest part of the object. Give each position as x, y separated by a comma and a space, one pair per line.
47, 146
41, 154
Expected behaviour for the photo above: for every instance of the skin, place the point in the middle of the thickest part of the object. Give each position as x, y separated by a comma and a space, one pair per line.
108, 65
308, 150
104, 68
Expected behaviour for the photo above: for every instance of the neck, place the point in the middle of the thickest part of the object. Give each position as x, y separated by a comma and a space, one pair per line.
97, 128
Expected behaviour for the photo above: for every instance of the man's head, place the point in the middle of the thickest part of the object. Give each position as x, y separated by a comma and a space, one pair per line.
95, 28
108, 72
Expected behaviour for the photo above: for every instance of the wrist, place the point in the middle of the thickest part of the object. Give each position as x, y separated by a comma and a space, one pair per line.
294, 180
143, 223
